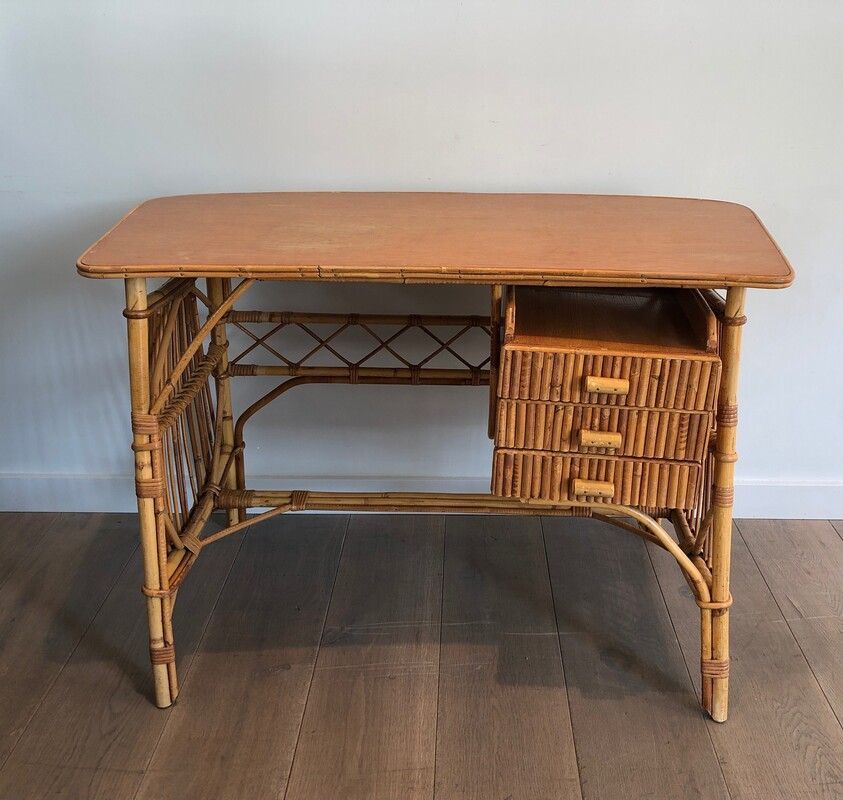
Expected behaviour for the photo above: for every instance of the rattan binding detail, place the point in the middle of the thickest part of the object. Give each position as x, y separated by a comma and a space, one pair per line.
146, 447
191, 543
145, 424
149, 487
715, 605
727, 415
723, 496
162, 655
298, 500
714, 668
158, 592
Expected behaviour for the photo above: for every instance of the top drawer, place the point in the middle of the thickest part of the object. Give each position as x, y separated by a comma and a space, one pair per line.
652, 348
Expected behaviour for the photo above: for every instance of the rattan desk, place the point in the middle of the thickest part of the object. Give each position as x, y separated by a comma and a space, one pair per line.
189, 446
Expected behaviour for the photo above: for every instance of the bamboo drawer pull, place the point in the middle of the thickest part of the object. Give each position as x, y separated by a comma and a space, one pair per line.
599, 385
608, 439
583, 488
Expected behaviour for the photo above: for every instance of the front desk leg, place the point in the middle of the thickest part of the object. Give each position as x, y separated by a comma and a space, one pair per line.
149, 488
715, 669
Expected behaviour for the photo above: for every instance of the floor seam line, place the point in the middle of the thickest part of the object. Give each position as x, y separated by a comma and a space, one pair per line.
444, 523
706, 724
561, 656
33, 542
70, 655
316, 657
189, 669
790, 630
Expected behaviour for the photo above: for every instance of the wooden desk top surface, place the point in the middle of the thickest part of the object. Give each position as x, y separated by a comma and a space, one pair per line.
551, 239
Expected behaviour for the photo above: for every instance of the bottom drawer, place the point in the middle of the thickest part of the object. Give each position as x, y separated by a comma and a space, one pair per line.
538, 475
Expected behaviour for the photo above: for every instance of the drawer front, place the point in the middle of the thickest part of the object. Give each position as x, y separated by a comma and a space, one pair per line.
602, 430
535, 475
614, 380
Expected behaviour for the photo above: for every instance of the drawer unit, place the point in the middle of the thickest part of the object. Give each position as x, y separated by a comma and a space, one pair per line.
655, 349
605, 396
552, 477
603, 430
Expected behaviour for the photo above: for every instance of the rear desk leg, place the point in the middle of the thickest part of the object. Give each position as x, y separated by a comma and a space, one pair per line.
217, 292
149, 487
717, 668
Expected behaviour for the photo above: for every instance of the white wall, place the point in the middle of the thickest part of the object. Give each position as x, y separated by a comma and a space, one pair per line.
103, 104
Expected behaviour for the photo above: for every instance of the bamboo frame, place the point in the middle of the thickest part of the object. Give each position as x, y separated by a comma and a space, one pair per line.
218, 289
189, 448
723, 494
156, 578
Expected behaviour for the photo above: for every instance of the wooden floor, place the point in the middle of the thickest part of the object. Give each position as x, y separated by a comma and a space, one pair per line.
393, 657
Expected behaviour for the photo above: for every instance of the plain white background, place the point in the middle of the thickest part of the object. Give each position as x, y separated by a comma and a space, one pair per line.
107, 103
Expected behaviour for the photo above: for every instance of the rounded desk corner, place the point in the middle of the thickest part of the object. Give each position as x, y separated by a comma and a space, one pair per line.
162, 200
734, 204
787, 279
81, 269
88, 270
773, 281
85, 269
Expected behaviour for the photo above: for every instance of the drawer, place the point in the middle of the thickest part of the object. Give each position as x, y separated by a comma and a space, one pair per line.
654, 349
602, 430
642, 382
553, 477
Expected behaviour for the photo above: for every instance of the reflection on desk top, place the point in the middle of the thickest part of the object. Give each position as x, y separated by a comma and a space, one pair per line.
412, 237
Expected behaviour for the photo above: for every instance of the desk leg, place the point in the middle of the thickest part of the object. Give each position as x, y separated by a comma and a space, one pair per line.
218, 290
715, 669
149, 490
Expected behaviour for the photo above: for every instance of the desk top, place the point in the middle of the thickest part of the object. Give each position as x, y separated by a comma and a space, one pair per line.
542, 239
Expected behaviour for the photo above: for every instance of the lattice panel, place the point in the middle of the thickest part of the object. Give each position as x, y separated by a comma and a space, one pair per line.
416, 343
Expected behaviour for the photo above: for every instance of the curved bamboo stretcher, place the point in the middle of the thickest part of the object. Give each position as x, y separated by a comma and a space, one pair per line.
189, 449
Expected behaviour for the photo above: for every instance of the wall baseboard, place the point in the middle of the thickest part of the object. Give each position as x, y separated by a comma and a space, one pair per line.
754, 497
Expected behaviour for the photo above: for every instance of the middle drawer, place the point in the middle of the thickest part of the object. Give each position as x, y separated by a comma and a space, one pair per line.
602, 430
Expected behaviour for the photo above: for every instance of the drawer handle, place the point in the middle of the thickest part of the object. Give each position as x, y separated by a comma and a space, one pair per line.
608, 439
599, 385
583, 488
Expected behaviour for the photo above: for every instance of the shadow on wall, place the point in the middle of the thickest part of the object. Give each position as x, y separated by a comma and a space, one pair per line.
65, 405
63, 402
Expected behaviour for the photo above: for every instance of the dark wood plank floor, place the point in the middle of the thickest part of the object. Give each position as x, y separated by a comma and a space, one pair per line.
417, 657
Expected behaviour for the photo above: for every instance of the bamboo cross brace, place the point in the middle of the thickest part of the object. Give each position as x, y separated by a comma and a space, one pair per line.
284, 501
445, 346
259, 341
384, 344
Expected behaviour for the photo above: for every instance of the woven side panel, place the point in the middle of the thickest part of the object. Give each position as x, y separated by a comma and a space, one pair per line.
188, 418
669, 383
534, 475
644, 433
